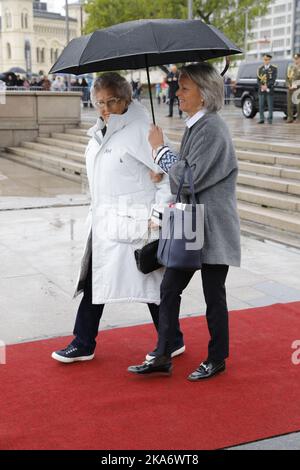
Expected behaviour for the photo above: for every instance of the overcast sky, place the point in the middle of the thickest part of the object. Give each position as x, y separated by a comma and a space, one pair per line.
57, 5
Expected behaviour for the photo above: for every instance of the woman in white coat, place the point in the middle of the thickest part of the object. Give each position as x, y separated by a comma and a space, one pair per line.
119, 168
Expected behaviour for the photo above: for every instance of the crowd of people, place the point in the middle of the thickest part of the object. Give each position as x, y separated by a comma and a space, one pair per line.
165, 91
44, 83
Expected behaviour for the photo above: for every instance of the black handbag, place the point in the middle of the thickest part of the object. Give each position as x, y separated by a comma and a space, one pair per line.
181, 237
146, 257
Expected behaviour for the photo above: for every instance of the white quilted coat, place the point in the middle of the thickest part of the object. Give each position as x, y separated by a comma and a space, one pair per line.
122, 197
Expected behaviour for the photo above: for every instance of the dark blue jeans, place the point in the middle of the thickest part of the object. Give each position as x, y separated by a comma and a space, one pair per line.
89, 316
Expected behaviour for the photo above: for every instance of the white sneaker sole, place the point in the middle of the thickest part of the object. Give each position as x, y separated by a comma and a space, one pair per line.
68, 360
174, 354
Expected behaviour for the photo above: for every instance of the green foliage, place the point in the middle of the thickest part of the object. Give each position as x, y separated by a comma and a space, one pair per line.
104, 13
227, 15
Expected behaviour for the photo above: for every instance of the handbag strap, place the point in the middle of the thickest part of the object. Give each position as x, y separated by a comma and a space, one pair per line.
188, 169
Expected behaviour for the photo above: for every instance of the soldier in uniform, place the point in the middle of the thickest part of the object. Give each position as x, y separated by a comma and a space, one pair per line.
293, 76
266, 78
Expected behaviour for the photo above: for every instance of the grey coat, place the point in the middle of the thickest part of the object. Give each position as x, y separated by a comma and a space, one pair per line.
209, 150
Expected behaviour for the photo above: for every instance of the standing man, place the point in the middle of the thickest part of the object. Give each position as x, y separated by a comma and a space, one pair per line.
266, 78
293, 76
172, 81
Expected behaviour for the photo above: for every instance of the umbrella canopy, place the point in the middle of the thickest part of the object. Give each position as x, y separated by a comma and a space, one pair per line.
16, 70
142, 44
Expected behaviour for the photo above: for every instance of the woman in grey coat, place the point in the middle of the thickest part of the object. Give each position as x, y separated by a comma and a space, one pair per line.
208, 148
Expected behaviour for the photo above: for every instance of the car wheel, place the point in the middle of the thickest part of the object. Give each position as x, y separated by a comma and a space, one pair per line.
248, 107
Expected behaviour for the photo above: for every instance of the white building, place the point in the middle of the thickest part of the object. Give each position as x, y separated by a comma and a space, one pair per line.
31, 37
276, 32
296, 35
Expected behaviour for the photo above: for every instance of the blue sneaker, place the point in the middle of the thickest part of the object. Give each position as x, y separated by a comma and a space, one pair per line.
175, 352
72, 354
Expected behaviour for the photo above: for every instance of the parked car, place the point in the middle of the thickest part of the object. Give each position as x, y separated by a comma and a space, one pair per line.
246, 88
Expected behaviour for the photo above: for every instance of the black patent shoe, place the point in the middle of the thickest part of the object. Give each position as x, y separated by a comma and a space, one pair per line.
162, 365
207, 370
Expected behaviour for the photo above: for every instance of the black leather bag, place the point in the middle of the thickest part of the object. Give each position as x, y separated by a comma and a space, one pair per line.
146, 257
182, 235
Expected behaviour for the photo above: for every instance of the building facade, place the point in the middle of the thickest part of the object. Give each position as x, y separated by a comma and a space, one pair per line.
296, 35
31, 37
278, 32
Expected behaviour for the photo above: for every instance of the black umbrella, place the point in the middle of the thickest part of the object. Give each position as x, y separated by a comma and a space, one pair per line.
16, 70
142, 44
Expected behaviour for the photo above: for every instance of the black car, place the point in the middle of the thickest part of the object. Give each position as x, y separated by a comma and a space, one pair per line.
246, 88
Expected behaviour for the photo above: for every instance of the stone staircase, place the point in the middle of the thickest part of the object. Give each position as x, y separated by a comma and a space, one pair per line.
268, 188
62, 154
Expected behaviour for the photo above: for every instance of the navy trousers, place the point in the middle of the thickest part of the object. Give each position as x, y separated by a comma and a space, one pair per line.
213, 282
89, 316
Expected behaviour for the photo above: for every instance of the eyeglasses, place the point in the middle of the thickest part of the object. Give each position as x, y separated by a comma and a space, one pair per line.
109, 103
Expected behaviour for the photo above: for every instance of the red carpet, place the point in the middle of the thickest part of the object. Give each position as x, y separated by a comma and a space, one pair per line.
99, 405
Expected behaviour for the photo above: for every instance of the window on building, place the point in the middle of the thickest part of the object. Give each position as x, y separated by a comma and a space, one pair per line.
38, 55
278, 43
8, 20
279, 20
265, 34
42, 55
280, 8
52, 55
279, 32
8, 50
24, 20
56, 54
265, 22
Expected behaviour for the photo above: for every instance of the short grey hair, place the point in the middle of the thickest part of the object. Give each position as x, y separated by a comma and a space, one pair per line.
209, 81
115, 82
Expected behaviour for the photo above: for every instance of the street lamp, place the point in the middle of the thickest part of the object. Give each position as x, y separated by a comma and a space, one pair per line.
246, 33
68, 34
190, 9
67, 22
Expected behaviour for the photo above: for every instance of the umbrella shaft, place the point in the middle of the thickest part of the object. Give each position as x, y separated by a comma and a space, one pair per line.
149, 88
